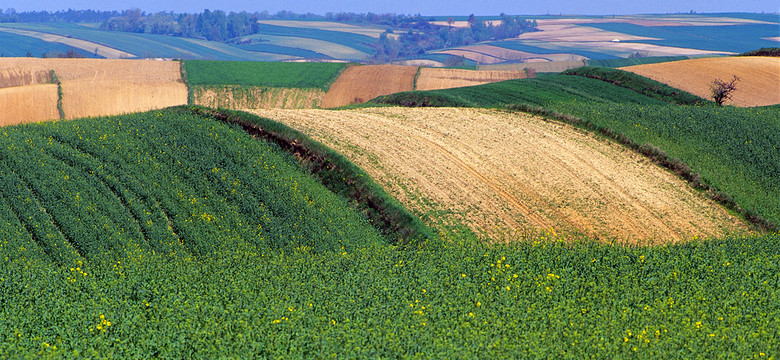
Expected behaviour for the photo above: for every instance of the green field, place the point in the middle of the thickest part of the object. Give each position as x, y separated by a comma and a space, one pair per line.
171, 234
734, 150
616, 63
270, 74
19, 46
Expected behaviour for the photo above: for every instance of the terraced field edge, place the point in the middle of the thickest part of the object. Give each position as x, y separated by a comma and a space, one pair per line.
337, 173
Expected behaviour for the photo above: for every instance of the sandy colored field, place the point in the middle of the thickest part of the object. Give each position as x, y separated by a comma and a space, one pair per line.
514, 173
759, 83
499, 52
419, 63
330, 26
23, 104
87, 46
237, 97
465, 24
568, 33
358, 84
477, 57
777, 38
11, 77
434, 79
95, 87
655, 20
548, 66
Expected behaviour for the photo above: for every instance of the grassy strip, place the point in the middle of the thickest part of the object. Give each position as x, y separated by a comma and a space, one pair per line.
271, 74
56, 80
616, 63
416, 76
638, 83
337, 173
183, 71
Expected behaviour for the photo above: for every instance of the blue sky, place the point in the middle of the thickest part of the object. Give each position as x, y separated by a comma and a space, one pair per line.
435, 7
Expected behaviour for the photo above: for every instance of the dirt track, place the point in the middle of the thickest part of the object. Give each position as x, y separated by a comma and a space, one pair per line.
759, 83
513, 173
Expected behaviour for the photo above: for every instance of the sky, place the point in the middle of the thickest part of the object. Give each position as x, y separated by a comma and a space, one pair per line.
427, 8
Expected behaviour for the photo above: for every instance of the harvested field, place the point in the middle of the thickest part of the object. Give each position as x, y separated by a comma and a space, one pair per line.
95, 87
472, 55
547, 66
503, 173
759, 83
19, 77
358, 84
83, 98
253, 97
435, 79
23, 104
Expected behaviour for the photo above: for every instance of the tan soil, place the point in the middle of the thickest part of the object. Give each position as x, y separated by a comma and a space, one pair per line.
358, 84
252, 97
472, 55
23, 104
434, 79
88, 46
95, 87
503, 173
547, 66
759, 83
18, 77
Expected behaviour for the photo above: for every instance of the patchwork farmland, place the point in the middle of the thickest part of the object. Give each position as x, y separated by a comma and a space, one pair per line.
441, 213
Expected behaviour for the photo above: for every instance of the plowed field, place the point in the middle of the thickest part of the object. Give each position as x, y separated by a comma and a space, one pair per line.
95, 87
759, 82
434, 79
514, 173
359, 84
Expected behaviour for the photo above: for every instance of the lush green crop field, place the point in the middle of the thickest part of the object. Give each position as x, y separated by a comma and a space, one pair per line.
734, 150
273, 74
169, 234
616, 63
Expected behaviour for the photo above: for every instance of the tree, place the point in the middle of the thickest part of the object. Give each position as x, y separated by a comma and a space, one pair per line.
721, 90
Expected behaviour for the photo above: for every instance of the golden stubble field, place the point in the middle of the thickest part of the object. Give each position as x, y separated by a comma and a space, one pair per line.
510, 173
93, 87
759, 83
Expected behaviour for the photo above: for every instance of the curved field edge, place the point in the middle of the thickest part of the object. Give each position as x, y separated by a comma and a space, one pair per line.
168, 182
460, 299
336, 172
603, 109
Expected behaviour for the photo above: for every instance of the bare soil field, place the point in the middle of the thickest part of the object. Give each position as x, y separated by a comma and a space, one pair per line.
95, 87
434, 79
759, 83
570, 32
514, 174
358, 84
238, 97
31, 103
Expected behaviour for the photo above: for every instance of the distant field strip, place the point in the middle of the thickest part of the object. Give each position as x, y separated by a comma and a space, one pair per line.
759, 83
87, 46
434, 79
504, 173
336, 51
327, 25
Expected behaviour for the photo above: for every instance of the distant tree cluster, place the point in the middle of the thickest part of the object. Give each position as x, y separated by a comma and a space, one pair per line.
211, 25
422, 36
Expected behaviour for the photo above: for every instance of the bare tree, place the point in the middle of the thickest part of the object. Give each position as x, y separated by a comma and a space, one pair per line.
721, 90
